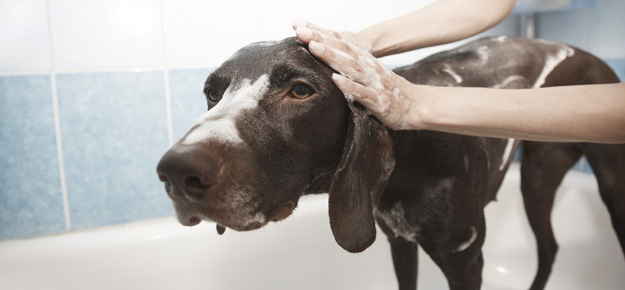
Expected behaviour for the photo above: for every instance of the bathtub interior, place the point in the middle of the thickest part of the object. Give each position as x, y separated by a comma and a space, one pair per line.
300, 252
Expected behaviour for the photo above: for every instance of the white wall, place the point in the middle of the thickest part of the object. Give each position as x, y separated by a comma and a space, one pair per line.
76, 35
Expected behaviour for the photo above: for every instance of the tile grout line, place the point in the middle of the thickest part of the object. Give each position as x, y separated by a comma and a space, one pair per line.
109, 69
59, 152
57, 126
170, 129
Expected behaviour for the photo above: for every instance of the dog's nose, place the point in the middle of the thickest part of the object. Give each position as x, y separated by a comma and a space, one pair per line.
188, 174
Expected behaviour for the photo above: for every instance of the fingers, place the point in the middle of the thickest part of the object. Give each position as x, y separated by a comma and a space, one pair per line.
296, 23
308, 32
336, 59
356, 92
335, 53
308, 35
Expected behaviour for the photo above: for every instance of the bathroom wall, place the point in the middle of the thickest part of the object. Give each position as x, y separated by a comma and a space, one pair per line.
92, 93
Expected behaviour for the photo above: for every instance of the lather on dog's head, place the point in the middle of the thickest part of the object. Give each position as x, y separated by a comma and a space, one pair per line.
278, 128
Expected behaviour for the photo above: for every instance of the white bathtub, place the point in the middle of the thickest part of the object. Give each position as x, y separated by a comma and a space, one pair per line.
300, 252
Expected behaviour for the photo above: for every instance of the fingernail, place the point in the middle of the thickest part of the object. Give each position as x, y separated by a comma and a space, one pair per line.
295, 23
304, 32
316, 47
338, 79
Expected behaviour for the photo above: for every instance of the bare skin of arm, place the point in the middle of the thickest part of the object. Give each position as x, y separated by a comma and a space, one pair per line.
589, 113
443, 21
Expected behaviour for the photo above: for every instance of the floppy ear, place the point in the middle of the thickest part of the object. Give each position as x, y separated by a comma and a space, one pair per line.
359, 181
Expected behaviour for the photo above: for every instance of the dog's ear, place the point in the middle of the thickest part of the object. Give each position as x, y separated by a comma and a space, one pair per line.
359, 181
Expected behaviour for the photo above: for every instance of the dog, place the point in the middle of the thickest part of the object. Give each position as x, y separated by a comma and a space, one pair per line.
277, 128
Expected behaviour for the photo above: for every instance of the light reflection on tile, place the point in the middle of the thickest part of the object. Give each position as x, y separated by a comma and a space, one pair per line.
24, 41
106, 33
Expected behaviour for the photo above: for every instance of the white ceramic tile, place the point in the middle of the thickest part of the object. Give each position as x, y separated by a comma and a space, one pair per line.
24, 41
277, 16
205, 33
106, 33
509, 27
364, 13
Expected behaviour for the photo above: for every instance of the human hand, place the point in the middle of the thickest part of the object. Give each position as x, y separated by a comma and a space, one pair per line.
362, 77
356, 39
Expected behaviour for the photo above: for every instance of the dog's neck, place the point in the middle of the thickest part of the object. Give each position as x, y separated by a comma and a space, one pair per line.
321, 183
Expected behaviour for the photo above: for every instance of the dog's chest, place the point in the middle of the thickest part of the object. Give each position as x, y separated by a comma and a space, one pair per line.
394, 218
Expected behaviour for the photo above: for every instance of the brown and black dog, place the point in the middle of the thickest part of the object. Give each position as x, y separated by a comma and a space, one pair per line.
277, 128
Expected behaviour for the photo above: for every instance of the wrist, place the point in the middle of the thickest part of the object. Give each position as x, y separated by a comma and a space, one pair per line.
422, 112
371, 36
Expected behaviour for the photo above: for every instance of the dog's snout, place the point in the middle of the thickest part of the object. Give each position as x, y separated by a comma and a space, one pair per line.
168, 186
194, 186
188, 174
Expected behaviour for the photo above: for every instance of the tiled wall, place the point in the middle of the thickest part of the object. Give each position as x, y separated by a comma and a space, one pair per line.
93, 92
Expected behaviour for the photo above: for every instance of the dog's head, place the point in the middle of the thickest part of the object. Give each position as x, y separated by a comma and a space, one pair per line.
278, 128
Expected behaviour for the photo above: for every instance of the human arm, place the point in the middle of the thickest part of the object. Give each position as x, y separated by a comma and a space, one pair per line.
583, 113
441, 22
589, 113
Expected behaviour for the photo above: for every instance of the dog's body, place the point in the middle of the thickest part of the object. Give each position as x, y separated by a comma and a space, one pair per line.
265, 141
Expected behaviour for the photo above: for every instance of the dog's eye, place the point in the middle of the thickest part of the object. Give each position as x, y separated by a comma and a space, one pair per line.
213, 95
301, 92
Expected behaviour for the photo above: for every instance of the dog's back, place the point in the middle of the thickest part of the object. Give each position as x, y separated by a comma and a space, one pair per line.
503, 63
510, 63
452, 177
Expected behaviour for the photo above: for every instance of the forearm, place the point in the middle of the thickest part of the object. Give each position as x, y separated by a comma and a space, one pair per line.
442, 22
589, 113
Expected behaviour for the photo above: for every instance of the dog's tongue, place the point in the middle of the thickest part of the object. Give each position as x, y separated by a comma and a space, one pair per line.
220, 229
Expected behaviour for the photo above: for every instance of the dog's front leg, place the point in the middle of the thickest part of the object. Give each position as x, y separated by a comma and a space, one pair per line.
405, 261
462, 263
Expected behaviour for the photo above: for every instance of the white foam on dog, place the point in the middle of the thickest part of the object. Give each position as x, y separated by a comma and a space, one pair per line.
551, 62
219, 122
508, 81
395, 219
483, 53
468, 243
453, 74
506, 154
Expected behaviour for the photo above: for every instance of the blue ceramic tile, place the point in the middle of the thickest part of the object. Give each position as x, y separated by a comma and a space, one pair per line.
570, 27
525, 6
583, 166
618, 65
188, 102
587, 167
114, 131
31, 201
607, 38
518, 154
579, 166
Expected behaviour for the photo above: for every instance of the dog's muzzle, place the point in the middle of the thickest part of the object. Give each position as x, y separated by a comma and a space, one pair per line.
189, 174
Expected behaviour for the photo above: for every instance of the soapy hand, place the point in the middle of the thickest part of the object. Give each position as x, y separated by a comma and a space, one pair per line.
350, 37
363, 78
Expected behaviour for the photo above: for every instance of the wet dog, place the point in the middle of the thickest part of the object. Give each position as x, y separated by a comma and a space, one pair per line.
277, 128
